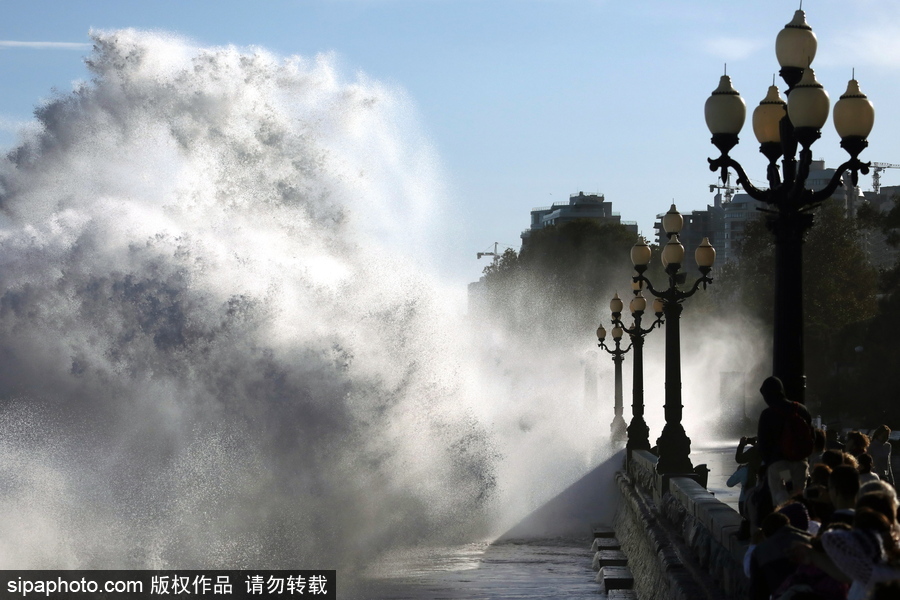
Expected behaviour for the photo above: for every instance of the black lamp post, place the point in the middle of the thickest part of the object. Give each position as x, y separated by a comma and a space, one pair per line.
780, 127
674, 445
617, 428
638, 431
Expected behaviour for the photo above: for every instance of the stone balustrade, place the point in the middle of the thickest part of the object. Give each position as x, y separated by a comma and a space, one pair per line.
679, 538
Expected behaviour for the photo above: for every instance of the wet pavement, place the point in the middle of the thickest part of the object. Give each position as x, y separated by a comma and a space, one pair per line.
719, 458
557, 568
549, 568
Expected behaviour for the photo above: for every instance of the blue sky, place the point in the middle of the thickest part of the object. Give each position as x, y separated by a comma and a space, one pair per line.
524, 101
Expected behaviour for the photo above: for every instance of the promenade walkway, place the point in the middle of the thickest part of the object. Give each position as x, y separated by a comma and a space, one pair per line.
719, 458
557, 568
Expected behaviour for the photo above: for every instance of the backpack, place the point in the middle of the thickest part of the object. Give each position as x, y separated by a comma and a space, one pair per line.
797, 440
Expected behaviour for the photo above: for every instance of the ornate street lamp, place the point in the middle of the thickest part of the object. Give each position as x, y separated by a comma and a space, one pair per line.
617, 428
674, 445
779, 127
638, 431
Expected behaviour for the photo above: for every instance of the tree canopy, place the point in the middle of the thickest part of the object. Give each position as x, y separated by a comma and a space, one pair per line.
868, 359
561, 282
839, 291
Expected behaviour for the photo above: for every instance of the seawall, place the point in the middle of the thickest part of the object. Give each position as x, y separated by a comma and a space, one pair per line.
681, 541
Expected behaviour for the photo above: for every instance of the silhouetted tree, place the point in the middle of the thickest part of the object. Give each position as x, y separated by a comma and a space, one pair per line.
870, 360
561, 283
839, 293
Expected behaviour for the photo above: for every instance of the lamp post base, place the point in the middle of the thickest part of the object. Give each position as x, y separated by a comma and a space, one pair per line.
674, 450
618, 429
638, 435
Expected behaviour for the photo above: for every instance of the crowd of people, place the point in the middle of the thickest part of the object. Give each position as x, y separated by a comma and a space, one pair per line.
820, 512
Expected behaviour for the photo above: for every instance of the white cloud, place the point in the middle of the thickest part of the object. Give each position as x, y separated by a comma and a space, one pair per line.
733, 48
878, 47
45, 45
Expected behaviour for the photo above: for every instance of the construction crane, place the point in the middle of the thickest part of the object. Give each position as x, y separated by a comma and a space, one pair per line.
495, 254
729, 189
877, 168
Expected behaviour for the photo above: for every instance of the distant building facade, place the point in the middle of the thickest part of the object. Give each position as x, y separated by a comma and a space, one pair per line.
723, 223
737, 214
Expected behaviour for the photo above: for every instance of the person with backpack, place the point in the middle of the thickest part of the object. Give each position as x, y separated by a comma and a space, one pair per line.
785, 441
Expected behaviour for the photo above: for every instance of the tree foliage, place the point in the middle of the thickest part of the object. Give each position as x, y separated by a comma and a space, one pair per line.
839, 291
869, 359
561, 282
888, 223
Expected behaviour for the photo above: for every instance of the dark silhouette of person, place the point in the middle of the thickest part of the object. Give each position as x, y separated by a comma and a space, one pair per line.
843, 486
770, 561
772, 422
746, 476
857, 443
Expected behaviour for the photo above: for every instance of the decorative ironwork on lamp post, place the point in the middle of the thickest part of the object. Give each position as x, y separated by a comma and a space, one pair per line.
780, 126
674, 445
617, 427
638, 431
